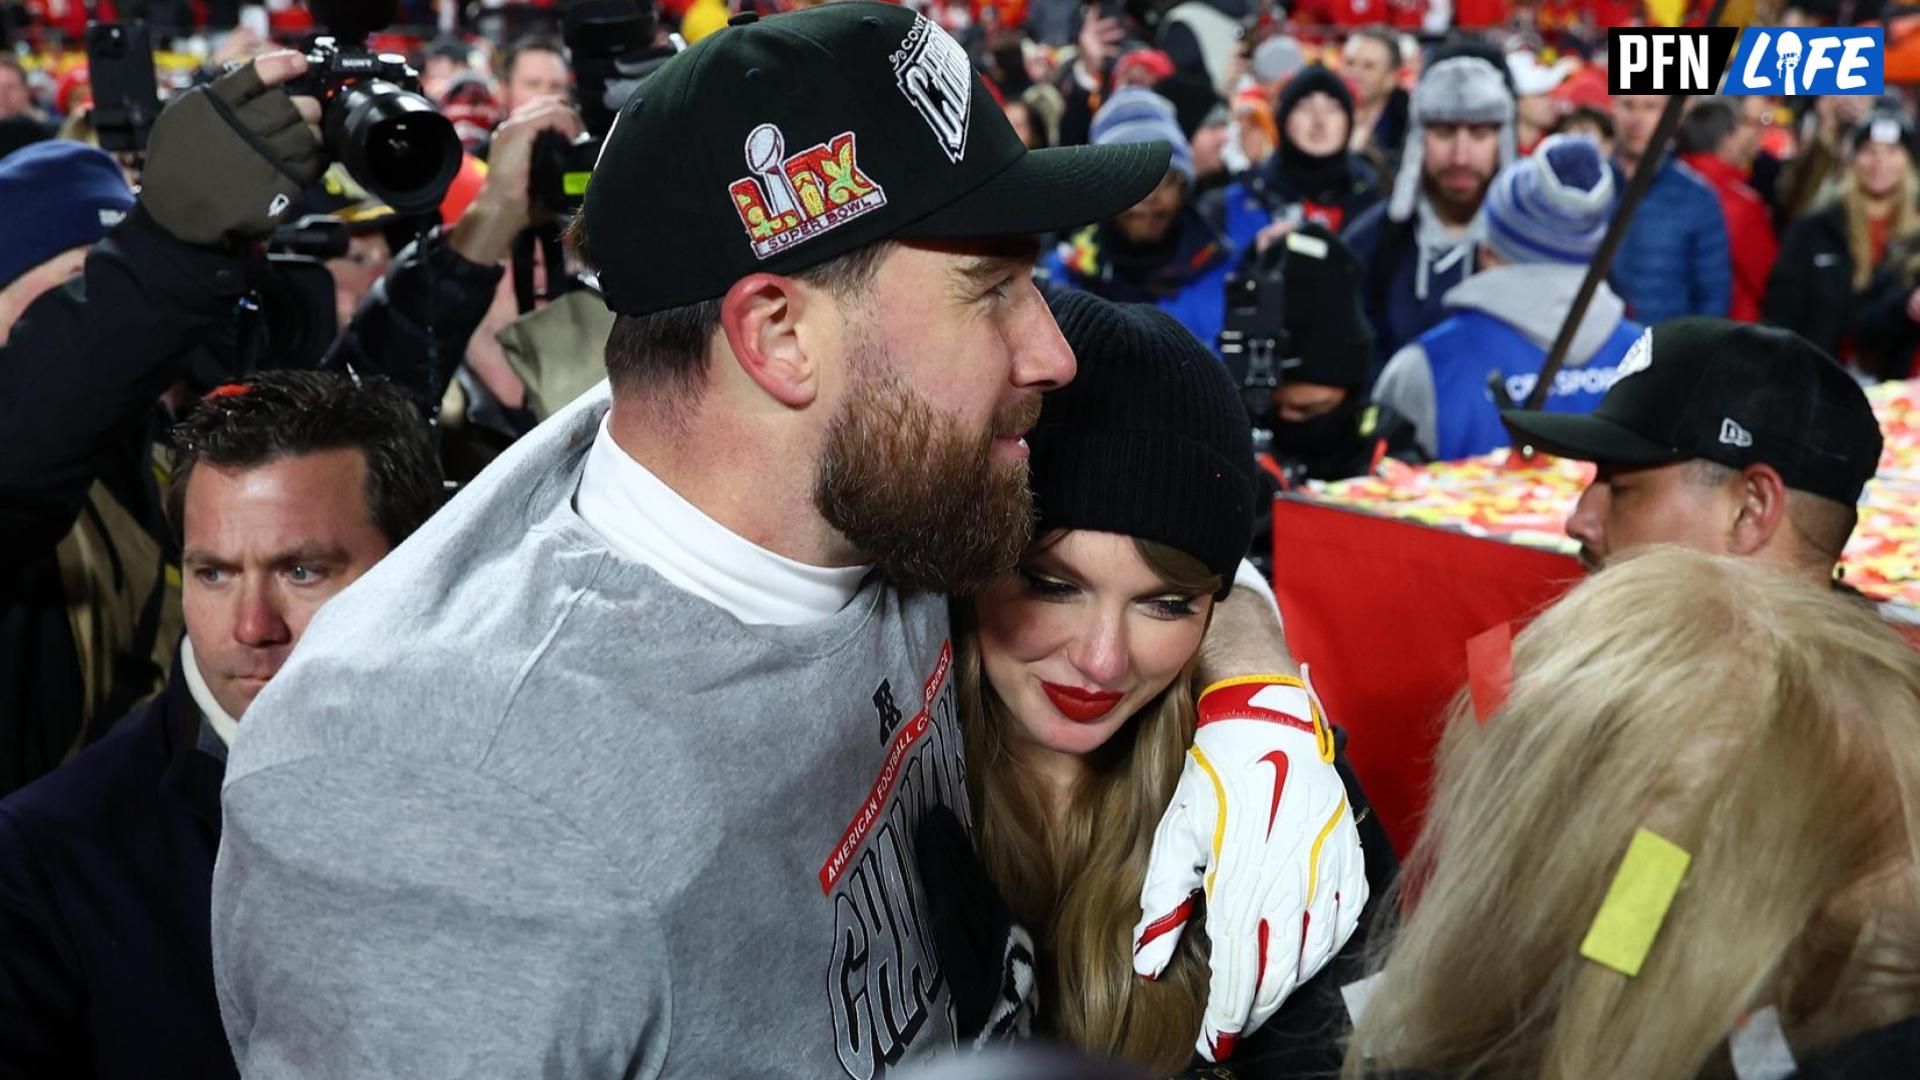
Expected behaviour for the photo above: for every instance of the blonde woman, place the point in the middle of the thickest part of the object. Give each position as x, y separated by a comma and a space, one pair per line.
1828, 257
1075, 681
1766, 726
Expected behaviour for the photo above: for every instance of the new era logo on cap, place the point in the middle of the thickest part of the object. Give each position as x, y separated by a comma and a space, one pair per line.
1732, 434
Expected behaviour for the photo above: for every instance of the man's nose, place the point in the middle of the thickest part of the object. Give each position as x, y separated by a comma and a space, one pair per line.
1042, 360
1584, 523
259, 623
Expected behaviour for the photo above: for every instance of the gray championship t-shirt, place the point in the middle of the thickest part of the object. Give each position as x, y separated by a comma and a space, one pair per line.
518, 807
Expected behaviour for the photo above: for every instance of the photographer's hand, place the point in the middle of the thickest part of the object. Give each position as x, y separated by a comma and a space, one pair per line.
1099, 41
1265, 237
484, 234
226, 160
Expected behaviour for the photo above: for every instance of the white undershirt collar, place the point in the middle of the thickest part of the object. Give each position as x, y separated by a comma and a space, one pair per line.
223, 725
643, 519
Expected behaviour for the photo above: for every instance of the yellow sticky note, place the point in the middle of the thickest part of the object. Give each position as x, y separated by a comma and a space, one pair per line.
1636, 903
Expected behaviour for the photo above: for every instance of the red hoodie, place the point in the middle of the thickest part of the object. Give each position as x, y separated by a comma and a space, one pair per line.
1750, 238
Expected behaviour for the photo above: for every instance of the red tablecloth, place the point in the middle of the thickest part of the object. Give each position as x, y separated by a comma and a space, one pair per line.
1382, 610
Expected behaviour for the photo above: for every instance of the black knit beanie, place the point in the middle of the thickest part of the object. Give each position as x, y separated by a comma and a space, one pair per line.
1311, 79
1149, 440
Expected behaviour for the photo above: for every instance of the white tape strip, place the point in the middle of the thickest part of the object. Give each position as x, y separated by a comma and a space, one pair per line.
1358, 994
1759, 1048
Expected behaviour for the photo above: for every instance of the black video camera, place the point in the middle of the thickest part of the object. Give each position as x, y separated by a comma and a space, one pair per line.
126, 100
1255, 344
392, 140
612, 50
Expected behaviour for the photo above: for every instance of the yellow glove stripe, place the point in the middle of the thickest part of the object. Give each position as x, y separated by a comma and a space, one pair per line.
1220, 821
1249, 680
1322, 731
1313, 856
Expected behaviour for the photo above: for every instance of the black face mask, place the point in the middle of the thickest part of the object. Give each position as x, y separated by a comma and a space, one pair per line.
1324, 436
1318, 178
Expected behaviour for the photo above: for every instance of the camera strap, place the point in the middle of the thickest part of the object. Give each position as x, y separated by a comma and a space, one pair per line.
553, 256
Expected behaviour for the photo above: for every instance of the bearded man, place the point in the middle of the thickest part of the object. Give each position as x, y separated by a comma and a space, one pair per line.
615, 768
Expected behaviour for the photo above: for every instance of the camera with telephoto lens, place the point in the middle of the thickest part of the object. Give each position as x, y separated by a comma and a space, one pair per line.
610, 43
392, 140
1255, 344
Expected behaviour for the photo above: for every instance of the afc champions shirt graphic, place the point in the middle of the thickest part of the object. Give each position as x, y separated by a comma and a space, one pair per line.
885, 980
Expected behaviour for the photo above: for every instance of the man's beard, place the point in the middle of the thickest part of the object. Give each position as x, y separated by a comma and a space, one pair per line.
1451, 209
917, 494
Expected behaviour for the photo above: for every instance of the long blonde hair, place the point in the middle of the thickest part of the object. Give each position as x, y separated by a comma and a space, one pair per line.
1075, 882
1906, 221
1767, 726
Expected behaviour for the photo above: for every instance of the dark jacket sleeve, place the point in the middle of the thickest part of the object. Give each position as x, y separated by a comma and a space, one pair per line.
39, 995
1789, 285
414, 324
1076, 119
1885, 337
1365, 235
86, 363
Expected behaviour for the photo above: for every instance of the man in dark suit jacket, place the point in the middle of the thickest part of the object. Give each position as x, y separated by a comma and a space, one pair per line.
287, 487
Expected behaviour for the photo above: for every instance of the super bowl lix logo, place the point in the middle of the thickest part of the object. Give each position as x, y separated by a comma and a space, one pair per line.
789, 199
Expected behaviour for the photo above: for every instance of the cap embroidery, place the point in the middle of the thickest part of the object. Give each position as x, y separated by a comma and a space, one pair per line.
1638, 358
933, 72
1733, 434
788, 200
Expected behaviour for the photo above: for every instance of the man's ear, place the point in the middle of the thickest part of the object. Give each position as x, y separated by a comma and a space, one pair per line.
761, 316
1762, 511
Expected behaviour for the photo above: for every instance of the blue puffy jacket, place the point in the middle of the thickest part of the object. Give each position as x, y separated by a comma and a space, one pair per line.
1674, 260
1188, 281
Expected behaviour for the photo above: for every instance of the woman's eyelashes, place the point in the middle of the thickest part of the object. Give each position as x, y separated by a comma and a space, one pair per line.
1042, 587
1173, 607
1046, 588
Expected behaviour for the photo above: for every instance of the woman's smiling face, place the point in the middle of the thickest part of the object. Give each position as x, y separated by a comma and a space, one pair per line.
1082, 636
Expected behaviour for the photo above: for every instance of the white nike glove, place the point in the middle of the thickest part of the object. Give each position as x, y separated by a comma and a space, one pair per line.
1261, 812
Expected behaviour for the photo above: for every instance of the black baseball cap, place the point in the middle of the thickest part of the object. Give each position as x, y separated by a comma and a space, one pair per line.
777, 144
1729, 392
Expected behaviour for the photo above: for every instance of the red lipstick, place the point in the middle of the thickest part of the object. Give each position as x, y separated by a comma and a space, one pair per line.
1081, 706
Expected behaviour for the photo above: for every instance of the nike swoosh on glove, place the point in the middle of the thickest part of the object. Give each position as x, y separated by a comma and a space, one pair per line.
1261, 827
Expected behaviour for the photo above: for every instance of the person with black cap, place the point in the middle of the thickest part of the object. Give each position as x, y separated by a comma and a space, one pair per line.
614, 768
1313, 177
1828, 258
1078, 699
1725, 437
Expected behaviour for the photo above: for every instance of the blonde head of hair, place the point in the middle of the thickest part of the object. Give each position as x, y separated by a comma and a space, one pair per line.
1766, 725
1904, 226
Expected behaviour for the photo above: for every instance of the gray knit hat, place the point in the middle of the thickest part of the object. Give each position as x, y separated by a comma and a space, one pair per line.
1460, 90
